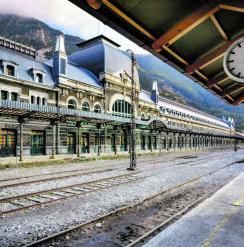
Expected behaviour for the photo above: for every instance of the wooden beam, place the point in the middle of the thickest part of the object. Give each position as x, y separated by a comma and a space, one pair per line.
183, 61
219, 28
239, 100
232, 89
179, 58
202, 75
211, 57
216, 80
95, 4
122, 15
189, 23
233, 5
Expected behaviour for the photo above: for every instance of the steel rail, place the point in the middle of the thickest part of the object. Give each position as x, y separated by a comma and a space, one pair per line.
121, 209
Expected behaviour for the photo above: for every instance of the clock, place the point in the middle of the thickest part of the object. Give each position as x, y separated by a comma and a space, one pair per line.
234, 61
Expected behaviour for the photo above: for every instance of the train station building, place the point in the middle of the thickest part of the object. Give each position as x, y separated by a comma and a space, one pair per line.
81, 103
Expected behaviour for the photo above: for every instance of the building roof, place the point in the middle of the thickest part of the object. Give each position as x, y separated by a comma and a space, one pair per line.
25, 65
192, 36
166, 103
100, 55
82, 75
74, 72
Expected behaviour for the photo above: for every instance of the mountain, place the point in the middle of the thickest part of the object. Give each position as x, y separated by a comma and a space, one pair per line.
172, 84
35, 33
189, 92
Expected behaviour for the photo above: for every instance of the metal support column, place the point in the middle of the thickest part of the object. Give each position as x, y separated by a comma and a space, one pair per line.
78, 125
151, 144
115, 139
54, 139
21, 122
167, 141
132, 124
160, 141
174, 141
98, 139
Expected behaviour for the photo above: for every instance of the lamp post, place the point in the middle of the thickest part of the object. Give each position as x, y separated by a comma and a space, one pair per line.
132, 144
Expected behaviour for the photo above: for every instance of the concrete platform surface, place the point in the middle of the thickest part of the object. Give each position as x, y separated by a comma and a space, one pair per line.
218, 221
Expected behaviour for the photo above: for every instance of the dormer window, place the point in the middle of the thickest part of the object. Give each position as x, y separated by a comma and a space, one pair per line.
39, 77
9, 67
10, 70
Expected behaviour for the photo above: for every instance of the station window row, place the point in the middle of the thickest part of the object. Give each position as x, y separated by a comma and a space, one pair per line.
37, 100
84, 107
6, 95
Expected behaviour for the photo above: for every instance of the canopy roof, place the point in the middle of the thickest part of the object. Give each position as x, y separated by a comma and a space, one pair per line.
192, 36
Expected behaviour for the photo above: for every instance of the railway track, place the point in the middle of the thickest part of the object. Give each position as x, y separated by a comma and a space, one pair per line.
130, 225
35, 199
77, 172
88, 171
26, 201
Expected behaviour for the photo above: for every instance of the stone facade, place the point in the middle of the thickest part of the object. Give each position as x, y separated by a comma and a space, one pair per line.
94, 79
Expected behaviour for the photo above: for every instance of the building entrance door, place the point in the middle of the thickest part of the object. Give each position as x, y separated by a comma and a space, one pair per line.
85, 143
8, 141
123, 141
37, 142
71, 143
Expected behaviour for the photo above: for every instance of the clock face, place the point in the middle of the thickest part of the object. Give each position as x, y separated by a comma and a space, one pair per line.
234, 61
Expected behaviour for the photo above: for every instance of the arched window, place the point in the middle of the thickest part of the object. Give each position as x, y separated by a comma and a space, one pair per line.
149, 117
97, 108
85, 107
10, 70
39, 77
142, 116
72, 104
121, 108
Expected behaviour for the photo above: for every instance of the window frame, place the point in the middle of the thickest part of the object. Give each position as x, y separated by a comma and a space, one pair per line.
85, 106
73, 105
95, 108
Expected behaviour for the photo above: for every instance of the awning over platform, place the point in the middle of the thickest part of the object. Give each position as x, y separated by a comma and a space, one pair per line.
192, 36
24, 110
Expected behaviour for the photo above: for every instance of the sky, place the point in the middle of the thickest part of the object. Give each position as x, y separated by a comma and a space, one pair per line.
68, 18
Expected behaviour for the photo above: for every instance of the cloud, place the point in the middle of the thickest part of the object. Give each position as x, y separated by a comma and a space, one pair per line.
65, 16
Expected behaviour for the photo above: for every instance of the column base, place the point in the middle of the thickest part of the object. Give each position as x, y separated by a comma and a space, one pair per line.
130, 169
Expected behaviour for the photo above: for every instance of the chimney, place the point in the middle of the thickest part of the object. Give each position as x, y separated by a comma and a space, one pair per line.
155, 93
59, 58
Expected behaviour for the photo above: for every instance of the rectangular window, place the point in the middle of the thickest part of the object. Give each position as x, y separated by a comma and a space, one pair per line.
4, 95
14, 96
10, 70
32, 99
7, 142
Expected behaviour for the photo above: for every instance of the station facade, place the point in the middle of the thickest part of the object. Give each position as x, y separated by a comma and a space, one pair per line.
81, 103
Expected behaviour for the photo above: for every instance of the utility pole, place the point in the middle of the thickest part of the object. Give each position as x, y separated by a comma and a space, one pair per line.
132, 130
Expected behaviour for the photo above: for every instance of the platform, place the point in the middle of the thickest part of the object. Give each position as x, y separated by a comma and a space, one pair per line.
218, 221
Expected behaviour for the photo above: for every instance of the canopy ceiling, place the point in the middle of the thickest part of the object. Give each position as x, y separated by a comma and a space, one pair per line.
192, 36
